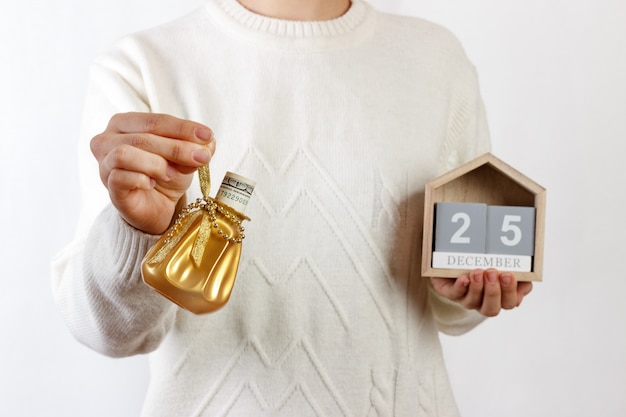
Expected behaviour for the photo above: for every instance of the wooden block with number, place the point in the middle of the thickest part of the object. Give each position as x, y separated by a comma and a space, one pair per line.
461, 227
486, 180
510, 230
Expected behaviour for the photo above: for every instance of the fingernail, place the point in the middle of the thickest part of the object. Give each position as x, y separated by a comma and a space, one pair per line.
506, 279
170, 172
204, 134
477, 277
201, 156
492, 277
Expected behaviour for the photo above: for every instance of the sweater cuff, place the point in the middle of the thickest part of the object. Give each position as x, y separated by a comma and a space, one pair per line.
126, 244
452, 318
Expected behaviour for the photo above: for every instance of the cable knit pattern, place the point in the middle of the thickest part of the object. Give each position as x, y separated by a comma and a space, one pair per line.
341, 123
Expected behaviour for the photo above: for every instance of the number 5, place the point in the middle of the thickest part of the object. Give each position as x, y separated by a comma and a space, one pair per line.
508, 227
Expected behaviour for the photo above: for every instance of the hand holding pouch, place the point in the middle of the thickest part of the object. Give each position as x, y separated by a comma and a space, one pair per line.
194, 264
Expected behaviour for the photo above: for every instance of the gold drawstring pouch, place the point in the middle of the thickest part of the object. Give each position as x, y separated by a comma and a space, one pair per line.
194, 264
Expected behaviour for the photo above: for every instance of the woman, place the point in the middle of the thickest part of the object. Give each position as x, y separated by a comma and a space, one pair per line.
341, 114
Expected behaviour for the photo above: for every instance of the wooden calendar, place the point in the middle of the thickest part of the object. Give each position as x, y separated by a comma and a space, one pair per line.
484, 214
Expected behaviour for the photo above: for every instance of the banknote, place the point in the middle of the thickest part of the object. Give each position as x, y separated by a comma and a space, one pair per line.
235, 191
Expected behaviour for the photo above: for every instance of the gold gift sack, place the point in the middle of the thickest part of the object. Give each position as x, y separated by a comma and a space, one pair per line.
195, 262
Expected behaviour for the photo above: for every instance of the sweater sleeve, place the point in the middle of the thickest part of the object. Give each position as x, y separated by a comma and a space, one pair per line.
97, 281
467, 138
101, 295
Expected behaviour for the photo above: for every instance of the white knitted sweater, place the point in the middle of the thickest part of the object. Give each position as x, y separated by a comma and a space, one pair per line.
341, 123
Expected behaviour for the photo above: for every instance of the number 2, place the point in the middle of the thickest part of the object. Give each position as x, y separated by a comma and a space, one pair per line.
458, 236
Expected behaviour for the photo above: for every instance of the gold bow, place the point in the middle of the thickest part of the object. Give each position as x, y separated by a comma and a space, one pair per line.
208, 217
207, 207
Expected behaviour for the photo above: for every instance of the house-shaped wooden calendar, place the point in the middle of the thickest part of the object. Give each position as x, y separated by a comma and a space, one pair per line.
484, 214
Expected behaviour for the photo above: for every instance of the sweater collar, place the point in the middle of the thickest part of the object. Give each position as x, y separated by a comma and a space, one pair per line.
353, 26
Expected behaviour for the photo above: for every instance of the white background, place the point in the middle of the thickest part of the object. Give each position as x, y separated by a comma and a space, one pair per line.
553, 78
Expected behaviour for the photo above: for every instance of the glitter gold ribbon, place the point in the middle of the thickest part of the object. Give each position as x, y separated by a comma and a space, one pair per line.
205, 227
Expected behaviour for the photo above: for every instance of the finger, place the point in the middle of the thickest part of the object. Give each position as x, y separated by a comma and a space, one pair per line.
181, 142
130, 158
474, 297
120, 182
453, 289
523, 289
161, 125
492, 294
508, 285
137, 205
176, 151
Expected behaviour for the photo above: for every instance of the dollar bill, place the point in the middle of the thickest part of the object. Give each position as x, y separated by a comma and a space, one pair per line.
235, 191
